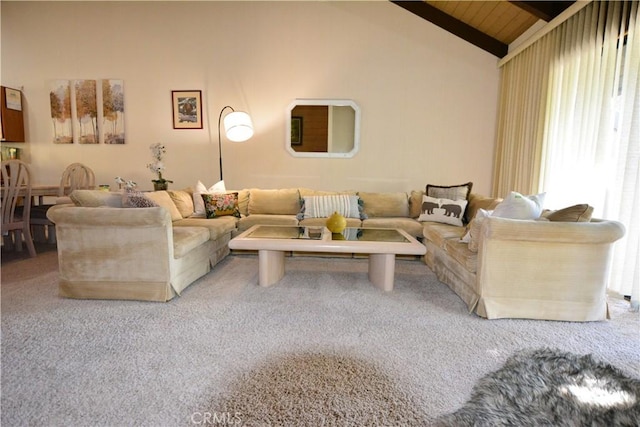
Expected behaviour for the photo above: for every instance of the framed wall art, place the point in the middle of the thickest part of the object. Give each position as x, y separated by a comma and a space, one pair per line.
187, 109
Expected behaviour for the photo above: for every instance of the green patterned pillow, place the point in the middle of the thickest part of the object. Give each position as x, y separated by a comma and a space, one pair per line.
221, 204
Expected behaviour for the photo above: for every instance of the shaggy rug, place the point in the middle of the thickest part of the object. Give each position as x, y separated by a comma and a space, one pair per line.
551, 388
312, 389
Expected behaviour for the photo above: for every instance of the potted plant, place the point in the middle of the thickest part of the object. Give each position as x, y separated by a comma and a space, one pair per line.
157, 152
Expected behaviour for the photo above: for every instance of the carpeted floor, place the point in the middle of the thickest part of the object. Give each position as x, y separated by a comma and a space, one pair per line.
111, 363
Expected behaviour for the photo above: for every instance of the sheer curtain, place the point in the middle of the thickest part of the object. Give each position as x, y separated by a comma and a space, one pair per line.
584, 146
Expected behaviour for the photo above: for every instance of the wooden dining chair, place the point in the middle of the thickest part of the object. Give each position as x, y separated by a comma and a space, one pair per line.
76, 176
16, 205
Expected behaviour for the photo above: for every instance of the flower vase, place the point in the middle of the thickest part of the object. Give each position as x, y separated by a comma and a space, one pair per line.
159, 186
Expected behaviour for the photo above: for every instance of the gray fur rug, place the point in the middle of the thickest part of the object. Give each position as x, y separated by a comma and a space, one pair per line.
551, 388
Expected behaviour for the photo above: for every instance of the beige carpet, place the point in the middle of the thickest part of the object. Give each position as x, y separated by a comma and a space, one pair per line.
412, 353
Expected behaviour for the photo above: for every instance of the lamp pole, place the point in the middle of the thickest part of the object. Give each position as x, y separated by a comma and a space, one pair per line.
220, 138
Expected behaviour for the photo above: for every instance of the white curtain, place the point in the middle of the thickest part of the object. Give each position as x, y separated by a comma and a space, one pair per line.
591, 137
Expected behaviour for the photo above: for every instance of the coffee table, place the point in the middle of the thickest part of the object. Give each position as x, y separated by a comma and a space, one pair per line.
381, 244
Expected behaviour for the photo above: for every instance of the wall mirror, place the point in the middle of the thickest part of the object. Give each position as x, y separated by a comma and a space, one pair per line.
323, 128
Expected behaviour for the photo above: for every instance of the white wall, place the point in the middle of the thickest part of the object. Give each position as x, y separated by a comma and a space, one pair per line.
428, 99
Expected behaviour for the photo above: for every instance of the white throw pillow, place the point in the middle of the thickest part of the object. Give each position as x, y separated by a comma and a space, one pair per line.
517, 206
442, 210
324, 206
200, 189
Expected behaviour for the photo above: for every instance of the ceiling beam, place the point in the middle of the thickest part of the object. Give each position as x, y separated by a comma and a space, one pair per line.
455, 26
545, 10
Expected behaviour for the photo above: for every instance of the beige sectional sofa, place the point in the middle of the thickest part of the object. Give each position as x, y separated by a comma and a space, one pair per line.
521, 268
535, 269
108, 251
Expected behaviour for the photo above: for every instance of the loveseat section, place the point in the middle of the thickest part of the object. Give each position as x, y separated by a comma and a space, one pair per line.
122, 253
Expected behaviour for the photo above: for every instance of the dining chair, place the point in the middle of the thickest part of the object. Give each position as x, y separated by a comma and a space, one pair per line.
76, 176
16, 205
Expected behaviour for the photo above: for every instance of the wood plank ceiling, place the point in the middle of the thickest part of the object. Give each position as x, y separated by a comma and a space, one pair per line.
490, 25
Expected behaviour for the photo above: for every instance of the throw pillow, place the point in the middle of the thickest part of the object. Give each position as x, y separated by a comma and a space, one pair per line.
517, 206
442, 210
221, 205
136, 199
575, 213
198, 203
324, 206
451, 192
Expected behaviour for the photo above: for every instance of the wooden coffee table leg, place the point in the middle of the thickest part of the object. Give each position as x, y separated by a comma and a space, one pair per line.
271, 267
382, 270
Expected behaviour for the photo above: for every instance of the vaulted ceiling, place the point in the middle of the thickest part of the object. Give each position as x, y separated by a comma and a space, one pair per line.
490, 25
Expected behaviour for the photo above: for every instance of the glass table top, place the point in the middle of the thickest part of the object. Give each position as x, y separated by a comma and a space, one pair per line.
316, 233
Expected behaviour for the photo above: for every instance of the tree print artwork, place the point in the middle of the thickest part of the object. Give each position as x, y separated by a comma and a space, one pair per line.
113, 111
86, 111
60, 100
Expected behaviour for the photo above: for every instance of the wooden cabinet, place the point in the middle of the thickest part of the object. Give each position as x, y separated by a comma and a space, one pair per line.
11, 118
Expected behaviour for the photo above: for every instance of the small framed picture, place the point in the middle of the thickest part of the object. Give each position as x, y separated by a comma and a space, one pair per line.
187, 109
13, 99
296, 130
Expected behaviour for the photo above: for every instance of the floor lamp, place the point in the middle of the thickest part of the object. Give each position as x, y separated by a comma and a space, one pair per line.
237, 128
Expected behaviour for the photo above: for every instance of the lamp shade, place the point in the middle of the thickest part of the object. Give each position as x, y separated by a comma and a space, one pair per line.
238, 126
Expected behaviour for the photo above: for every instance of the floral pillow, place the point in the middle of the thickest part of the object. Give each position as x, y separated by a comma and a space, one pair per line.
200, 189
221, 204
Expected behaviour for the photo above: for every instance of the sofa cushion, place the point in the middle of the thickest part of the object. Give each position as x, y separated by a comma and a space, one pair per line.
185, 239
217, 205
162, 199
243, 201
415, 203
476, 202
461, 253
96, 198
437, 233
324, 206
410, 225
442, 210
385, 204
274, 202
183, 199
452, 192
518, 206
575, 213
217, 227
247, 222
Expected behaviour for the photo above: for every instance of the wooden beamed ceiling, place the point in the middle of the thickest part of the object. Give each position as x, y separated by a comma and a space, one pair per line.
489, 25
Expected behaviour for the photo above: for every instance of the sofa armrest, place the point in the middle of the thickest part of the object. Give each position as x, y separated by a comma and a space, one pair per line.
596, 231
103, 216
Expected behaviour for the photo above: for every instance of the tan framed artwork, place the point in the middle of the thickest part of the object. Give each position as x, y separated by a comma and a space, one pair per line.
187, 109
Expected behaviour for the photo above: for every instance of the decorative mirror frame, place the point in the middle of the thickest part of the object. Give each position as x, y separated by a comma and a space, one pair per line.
328, 102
